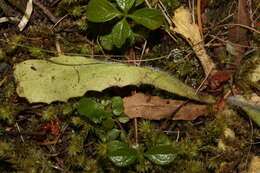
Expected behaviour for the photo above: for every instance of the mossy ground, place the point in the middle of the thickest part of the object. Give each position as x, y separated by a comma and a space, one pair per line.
54, 138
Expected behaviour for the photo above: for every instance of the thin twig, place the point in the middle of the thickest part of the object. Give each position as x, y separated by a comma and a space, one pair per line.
142, 54
136, 130
18, 128
59, 21
57, 44
165, 13
241, 25
238, 45
46, 11
141, 60
148, 4
202, 83
199, 18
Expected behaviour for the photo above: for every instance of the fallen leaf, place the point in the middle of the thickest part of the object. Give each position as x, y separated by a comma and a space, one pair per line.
191, 32
156, 108
64, 77
190, 111
238, 34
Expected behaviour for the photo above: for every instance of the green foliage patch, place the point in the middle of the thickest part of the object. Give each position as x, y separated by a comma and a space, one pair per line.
101, 11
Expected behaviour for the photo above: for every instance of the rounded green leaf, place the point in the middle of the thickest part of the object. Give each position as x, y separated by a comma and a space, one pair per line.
113, 134
86, 106
116, 145
161, 155
101, 11
123, 119
125, 5
123, 156
150, 18
108, 123
120, 33
106, 41
117, 105
91, 109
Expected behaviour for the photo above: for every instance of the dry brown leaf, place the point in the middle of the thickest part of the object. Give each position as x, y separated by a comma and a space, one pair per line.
156, 108
239, 34
191, 32
190, 111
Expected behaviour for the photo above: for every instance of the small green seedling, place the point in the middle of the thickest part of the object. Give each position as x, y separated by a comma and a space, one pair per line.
121, 155
100, 11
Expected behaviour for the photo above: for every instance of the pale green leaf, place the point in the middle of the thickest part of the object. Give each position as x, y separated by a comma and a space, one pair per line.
65, 77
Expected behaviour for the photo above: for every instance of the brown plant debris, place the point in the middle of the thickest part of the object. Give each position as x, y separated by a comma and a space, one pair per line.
238, 34
191, 32
156, 108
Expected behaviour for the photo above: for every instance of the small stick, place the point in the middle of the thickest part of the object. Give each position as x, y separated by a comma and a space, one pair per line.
18, 128
46, 11
136, 130
199, 18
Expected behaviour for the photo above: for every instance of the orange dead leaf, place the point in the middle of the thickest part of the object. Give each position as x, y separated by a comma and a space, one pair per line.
156, 108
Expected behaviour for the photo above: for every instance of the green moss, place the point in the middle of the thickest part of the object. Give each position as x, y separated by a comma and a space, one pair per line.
2, 55
34, 162
14, 40
76, 145
243, 75
5, 148
7, 112
7, 91
51, 112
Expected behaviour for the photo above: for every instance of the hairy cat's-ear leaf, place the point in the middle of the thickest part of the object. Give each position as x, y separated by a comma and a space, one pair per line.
161, 154
61, 78
150, 18
125, 5
123, 156
120, 33
101, 11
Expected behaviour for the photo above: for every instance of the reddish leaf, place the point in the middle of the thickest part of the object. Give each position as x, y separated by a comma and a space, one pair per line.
218, 78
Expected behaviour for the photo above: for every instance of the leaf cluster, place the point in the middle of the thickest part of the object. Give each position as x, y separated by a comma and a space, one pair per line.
119, 152
101, 11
